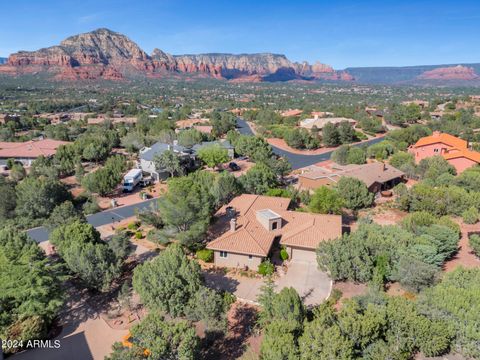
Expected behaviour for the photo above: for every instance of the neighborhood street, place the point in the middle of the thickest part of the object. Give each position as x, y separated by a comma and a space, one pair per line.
298, 161
40, 234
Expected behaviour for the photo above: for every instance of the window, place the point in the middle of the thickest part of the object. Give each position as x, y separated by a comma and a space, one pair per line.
250, 257
274, 226
223, 254
435, 150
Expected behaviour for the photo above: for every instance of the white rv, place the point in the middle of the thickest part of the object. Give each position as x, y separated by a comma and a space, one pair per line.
131, 179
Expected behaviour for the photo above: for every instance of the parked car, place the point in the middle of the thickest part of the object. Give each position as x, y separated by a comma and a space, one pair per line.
233, 166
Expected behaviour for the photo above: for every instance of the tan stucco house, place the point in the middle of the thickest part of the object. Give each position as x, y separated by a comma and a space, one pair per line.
246, 229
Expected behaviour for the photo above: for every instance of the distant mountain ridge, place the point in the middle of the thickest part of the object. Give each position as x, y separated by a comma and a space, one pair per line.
105, 54
109, 55
463, 73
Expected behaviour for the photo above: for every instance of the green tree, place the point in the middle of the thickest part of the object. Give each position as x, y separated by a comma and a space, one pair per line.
66, 159
415, 274
330, 135
356, 155
37, 197
278, 342
346, 133
455, 301
213, 155
163, 339
86, 255
190, 137
471, 215
31, 287
169, 282
354, 193
63, 214
326, 201
186, 210
258, 179
169, 161
432, 167
9, 202
208, 306
474, 242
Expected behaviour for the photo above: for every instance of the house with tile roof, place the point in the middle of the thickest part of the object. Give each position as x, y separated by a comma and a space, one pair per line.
247, 229
377, 176
451, 148
26, 152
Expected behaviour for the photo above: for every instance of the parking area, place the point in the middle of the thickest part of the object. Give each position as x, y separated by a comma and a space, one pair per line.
313, 285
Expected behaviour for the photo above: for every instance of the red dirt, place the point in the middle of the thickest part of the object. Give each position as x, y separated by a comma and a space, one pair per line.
349, 290
465, 256
240, 334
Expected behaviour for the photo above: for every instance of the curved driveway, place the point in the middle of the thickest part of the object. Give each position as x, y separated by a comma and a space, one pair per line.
297, 160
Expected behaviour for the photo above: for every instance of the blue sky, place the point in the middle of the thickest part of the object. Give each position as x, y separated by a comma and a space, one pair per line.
339, 33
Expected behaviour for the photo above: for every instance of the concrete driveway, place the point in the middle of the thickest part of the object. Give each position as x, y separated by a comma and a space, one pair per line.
313, 285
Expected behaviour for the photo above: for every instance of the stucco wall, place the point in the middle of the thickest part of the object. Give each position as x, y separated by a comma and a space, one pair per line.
461, 164
237, 260
429, 151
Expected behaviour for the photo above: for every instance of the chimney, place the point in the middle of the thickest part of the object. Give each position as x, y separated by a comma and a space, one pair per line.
436, 133
233, 224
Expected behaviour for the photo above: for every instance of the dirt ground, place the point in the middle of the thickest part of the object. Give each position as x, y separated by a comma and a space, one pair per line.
465, 257
122, 198
349, 289
84, 334
241, 336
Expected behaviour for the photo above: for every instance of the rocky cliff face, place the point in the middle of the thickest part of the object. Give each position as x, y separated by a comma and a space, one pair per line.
106, 54
458, 72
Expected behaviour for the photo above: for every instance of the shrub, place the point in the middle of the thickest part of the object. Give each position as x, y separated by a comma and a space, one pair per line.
266, 268
283, 254
205, 255
133, 225
474, 242
228, 299
470, 216
138, 235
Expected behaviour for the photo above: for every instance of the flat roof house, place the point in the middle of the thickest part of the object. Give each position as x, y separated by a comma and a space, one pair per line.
247, 228
321, 122
451, 148
26, 152
377, 176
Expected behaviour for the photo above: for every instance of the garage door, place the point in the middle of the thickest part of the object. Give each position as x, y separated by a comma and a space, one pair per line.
303, 255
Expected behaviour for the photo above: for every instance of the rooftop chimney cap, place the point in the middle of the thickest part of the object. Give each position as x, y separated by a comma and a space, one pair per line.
233, 224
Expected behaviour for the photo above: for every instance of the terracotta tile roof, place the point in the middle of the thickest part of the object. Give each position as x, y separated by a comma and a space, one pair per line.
30, 149
443, 138
251, 238
471, 155
368, 173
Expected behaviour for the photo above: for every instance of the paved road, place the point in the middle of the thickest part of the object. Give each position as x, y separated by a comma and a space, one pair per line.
298, 161
40, 234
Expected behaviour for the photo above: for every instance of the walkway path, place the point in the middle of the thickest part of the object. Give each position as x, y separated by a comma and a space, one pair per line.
297, 160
